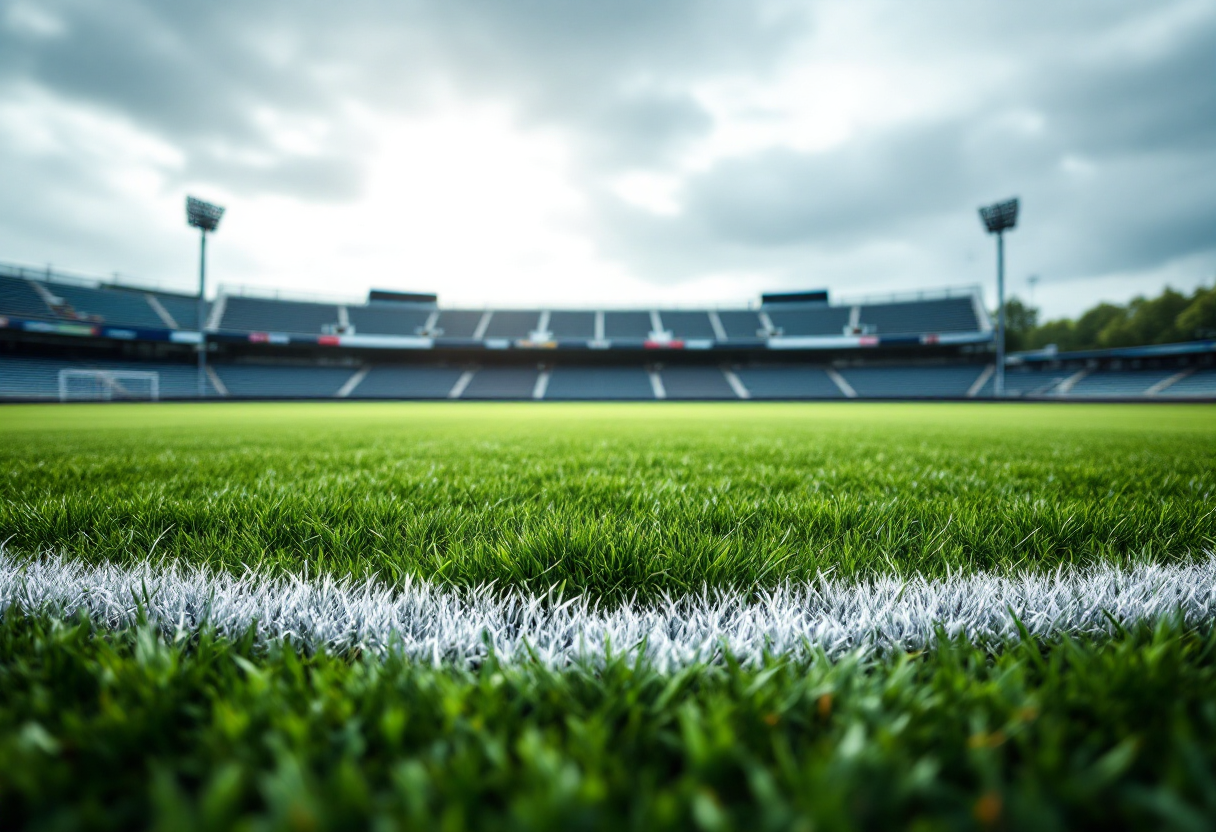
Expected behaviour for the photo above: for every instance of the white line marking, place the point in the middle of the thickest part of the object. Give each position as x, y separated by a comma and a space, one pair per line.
161, 311
461, 383
1166, 383
354, 381
736, 383
483, 324
841, 384
542, 384
450, 625
978, 384
656, 384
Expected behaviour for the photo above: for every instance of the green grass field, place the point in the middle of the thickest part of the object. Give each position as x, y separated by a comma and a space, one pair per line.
619, 503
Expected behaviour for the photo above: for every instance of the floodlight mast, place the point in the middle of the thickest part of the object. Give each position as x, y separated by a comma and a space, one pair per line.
998, 219
205, 217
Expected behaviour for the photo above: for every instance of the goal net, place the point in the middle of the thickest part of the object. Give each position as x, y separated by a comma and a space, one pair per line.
108, 385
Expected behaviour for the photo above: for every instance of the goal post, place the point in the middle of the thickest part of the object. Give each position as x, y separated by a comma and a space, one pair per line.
108, 385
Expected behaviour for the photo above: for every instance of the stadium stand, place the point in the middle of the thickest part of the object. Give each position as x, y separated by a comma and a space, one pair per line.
1118, 383
627, 325
740, 325
788, 382
388, 319
1201, 383
182, 308
1028, 382
273, 382
262, 348
502, 383
589, 383
243, 314
810, 320
20, 299
944, 315
458, 323
509, 323
696, 383
688, 326
388, 381
23, 377
121, 307
572, 325
911, 382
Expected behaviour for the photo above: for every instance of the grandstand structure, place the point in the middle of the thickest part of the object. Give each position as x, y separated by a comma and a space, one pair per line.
935, 345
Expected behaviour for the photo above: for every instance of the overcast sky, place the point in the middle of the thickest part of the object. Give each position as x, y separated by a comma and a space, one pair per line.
530, 152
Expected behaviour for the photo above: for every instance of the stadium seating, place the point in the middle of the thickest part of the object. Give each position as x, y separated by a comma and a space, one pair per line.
741, 325
572, 325
458, 323
23, 377
502, 383
19, 299
632, 326
510, 323
688, 326
810, 320
1201, 383
696, 383
789, 382
912, 382
117, 307
1117, 383
389, 381
261, 315
945, 315
588, 383
276, 381
182, 308
1027, 382
387, 319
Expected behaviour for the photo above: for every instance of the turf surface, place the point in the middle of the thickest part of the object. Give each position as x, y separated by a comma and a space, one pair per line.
126, 728
611, 500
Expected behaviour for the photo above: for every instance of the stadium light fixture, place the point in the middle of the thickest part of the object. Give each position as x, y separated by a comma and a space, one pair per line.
999, 218
205, 217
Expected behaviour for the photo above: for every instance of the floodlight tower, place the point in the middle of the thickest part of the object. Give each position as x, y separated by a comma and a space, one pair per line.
998, 219
205, 217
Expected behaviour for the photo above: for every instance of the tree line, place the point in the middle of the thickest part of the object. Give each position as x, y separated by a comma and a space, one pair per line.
1168, 318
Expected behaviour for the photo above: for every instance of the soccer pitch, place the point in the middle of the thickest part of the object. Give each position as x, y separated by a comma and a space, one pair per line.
661, 616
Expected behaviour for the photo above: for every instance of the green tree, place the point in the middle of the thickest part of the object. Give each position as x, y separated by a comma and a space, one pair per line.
1146, 321
1198, 320
1020, 321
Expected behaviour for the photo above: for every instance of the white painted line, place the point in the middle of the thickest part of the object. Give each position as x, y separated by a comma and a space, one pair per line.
351, 383
886, 615
483, 324
217, 312
1065, 386
216, 381
736, 383
542, 384
161, 311
1166, 383
978, 384
839, 381
461, 383
656, 383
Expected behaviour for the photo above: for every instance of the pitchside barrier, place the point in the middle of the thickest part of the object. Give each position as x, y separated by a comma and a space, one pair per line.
108, 385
